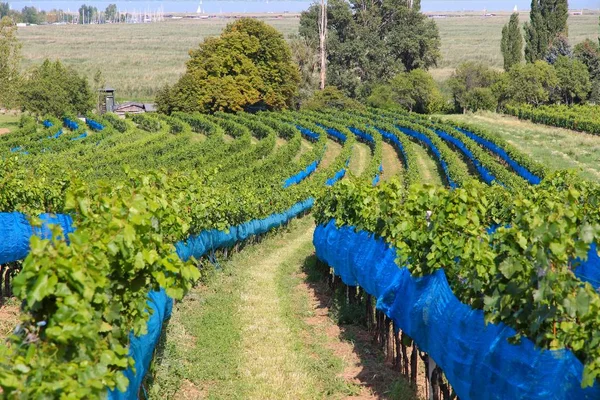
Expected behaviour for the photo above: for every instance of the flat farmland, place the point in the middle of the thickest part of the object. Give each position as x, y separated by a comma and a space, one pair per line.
138, 59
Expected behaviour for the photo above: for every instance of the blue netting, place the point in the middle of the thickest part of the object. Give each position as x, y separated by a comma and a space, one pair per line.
477, 359
300, 176
72, 125
335, 133
56, 135
141, 348
485, 174
395, 141
308, 133
197, 245
500, 152
589, 270
16, 233
16, 149
364, 136
338, 175
48, 124
96, 126
82, 136
424, 139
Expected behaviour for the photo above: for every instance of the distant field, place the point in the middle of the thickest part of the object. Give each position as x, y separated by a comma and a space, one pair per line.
135, 59
477, 38
138, 59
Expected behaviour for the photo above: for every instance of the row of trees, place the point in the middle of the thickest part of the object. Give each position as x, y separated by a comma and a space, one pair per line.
476, 86
577, 71
50, 88
370, 46
86, 14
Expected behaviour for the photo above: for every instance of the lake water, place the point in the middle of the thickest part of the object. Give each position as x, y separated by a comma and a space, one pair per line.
278, 6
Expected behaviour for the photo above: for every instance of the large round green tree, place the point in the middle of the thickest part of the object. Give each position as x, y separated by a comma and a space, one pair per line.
248, 66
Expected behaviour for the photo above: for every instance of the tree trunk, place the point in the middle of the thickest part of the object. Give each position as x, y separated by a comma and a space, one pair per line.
322, 41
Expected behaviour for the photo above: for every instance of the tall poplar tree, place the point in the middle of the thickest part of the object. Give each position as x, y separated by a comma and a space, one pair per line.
512, 42
548, 19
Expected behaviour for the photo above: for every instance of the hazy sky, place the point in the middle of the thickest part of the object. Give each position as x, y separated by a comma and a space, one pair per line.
277, 6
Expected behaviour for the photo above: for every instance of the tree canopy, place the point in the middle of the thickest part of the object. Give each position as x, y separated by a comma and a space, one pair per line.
548, 19
248, 66
370, 42
52, 88
512, 42
10, 58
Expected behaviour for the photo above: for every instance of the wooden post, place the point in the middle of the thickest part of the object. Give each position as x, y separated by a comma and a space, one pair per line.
322, 41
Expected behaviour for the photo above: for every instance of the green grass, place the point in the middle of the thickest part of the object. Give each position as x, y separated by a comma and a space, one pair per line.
427, 166
10, 122
135, 59
477, 38
138, 59
241, 335
556, 148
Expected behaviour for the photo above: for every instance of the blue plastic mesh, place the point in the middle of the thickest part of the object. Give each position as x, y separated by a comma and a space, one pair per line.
300, 176
485, 174
94, 125
15, 232
395, 141
589, 269
476, 358
424, 139
72, 125
82, 136
363, 135
141, 348
334, 133
500, 152
308, 133
48, 124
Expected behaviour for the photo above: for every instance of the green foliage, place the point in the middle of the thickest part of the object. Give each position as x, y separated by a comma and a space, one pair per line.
369, 43
4, 10
248, 66
414, 91
585, 118
588, 52
531, 83
117, 254
512, 42
467, 77
87, 14
305, 54
548, 19
520, 276
31, 15
52, 88
10, 58
559, 47
111, 12
573, 80
331, 97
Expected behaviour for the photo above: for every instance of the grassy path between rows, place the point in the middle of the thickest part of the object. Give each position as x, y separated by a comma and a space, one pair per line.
332, 150
258, 329
556, 148
427, 166
361, 154
392, 166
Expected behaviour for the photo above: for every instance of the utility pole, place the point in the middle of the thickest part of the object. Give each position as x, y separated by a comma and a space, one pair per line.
322, 41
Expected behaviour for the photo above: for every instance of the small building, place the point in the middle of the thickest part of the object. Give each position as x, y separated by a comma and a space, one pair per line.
107, 100
133, 107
